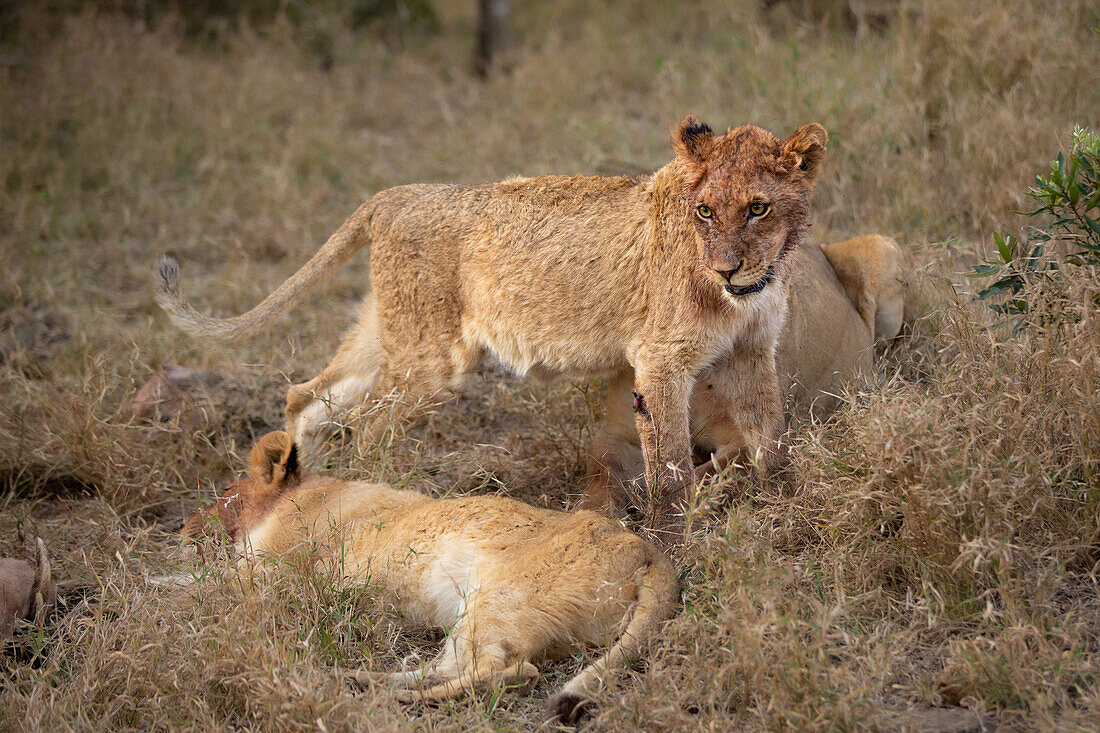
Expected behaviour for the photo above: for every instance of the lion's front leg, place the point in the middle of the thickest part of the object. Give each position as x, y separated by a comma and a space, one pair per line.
737, 409
661, 416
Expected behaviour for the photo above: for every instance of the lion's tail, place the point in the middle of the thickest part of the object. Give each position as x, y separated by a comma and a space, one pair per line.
658, 596
352, 236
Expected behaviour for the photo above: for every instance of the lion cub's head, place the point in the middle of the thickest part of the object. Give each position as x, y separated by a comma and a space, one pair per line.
272, 472
750, 194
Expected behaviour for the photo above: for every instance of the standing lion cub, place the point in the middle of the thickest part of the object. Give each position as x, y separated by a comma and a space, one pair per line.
514, 584
560, 276
844, 297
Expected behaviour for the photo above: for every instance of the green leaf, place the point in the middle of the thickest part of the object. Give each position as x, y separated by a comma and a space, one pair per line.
1004, 247
1013, 283
1091, 224
1074, 192
1017, 306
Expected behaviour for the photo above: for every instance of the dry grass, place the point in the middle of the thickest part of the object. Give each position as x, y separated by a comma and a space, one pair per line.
942, 547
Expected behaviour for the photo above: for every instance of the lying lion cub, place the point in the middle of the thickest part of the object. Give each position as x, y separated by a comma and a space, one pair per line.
514, 584
663, 275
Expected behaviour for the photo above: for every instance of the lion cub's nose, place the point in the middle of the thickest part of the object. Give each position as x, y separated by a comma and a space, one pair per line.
727, 274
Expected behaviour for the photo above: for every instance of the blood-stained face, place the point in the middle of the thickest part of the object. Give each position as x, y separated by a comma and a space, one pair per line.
749, 194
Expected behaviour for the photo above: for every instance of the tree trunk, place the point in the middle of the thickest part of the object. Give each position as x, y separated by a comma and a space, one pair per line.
491, 34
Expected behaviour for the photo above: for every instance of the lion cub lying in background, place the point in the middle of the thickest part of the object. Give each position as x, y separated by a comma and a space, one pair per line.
514, 584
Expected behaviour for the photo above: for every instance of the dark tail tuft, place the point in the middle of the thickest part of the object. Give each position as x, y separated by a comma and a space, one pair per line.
166, 274
566, 708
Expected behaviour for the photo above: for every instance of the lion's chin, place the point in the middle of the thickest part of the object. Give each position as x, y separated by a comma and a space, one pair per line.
740, 291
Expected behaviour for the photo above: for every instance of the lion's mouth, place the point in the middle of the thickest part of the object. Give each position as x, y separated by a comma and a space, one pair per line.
756, 287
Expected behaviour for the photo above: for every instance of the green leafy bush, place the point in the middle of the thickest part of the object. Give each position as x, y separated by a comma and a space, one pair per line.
1068, 233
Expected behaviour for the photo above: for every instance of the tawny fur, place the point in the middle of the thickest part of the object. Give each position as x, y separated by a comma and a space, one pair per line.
576, 277
26, 591
825, 344
876, 271
514, 584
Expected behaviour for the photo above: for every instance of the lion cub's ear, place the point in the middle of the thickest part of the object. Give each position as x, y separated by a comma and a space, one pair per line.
804, 149
274, 460
693, 139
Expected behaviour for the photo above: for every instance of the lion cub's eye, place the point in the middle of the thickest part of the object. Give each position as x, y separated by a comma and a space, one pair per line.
704, 211
758, 208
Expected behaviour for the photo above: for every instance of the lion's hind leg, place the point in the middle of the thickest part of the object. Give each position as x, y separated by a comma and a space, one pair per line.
317, 408
444, 665
521, 674
657, 599
414, 379
475, 655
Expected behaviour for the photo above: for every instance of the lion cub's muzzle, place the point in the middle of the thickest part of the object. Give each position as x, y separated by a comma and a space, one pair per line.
727, 275
740, 291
